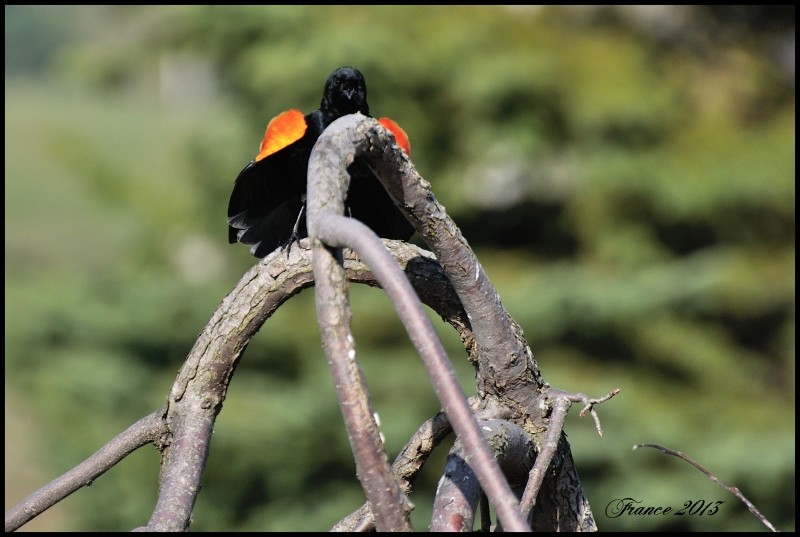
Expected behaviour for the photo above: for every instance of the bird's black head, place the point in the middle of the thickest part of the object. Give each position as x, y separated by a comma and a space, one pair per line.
345, 93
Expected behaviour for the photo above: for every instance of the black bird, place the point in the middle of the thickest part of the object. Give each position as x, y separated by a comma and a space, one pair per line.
265, 210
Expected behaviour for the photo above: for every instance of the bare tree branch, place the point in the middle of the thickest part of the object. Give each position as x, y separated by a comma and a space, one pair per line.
419, 448
730, 488
211, 363
145, 431
340, 144
372, 463
505, 362
199, 390
545, 457
458, 494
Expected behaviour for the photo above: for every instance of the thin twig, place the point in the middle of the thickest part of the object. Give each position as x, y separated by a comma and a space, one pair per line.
730, 488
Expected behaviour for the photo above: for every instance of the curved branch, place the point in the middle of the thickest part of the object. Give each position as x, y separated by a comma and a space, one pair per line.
733, 489
266, 286
340, 143
458, 493
199, 390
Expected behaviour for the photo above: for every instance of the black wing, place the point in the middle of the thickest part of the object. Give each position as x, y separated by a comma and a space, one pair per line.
266, 201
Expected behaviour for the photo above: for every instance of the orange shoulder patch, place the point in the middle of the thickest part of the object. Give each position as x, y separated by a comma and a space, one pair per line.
399, 134
283, 130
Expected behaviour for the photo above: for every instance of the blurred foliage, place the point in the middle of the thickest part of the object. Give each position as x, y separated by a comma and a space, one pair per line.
626, 176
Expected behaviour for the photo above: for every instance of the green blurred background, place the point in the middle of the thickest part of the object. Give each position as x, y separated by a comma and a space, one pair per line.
625, 175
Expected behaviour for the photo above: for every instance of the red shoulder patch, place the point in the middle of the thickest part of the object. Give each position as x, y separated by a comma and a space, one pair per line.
399, 134
283, 130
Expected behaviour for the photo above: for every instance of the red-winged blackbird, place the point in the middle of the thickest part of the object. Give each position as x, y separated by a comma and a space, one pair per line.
266, 206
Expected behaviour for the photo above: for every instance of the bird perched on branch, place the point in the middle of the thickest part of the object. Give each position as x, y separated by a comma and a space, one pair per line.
266, 208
